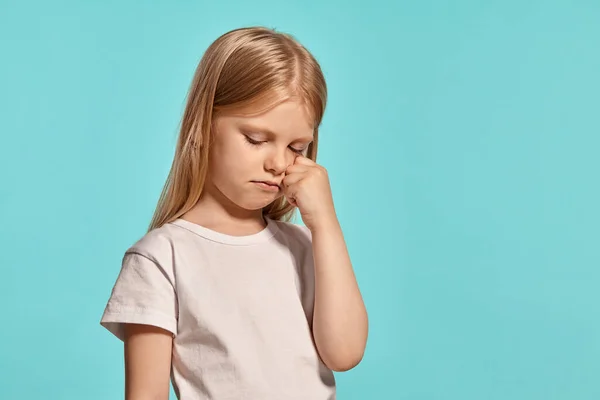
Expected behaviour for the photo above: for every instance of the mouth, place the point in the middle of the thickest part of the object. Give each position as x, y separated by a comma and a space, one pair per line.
268, 185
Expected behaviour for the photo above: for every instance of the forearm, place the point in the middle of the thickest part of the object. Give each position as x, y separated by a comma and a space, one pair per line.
340, 322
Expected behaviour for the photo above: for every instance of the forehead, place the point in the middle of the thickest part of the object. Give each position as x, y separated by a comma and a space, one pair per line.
290, 118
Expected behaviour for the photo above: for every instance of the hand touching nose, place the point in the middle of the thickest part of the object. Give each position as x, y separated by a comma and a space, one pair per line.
306, 186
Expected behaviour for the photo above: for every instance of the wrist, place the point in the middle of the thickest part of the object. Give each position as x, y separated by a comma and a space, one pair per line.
326, 224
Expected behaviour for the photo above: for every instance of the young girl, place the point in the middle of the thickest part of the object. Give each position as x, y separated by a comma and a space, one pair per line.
223, 294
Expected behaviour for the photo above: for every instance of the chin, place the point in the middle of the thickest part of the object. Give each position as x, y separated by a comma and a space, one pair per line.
254, 206
257, 203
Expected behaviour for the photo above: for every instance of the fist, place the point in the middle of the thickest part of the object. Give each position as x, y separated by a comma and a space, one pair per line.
306, 186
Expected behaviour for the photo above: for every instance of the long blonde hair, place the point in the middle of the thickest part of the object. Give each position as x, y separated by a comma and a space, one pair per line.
248, 68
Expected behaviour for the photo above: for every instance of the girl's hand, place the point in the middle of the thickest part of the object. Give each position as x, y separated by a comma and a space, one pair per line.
306, 186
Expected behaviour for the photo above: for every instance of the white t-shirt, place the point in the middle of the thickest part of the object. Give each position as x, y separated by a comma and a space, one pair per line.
239, 309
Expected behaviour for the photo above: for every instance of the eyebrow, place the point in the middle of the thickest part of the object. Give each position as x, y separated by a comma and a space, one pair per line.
271, 134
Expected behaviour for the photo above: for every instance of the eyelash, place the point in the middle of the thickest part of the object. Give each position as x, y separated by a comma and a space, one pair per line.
258, 143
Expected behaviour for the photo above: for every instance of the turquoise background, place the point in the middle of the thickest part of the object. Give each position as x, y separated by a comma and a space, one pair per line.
462, 139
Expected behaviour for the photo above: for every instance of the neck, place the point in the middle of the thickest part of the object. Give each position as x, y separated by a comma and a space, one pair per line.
216, 212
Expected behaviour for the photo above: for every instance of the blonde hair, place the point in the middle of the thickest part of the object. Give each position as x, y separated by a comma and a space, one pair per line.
252, 68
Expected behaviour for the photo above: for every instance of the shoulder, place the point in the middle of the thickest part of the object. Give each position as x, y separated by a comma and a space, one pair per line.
156, 245
298, 234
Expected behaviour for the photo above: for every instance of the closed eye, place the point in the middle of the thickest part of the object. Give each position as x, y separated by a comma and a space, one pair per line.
297, 151
259, 142
252, 141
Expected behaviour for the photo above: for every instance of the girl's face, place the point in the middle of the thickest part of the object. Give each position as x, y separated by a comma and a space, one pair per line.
249, 155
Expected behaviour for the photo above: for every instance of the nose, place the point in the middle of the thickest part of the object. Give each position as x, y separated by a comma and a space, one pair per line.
278, 161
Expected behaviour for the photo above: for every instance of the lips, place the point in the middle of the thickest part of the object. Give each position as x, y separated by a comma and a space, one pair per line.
270, 183
268, 186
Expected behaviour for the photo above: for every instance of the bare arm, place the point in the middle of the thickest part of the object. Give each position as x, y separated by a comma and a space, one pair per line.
147, 362
340, 322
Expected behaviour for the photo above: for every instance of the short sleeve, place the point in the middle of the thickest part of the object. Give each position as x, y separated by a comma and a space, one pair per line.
144, 293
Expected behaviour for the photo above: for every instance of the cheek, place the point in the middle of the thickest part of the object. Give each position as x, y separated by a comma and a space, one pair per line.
247, 157
232, 162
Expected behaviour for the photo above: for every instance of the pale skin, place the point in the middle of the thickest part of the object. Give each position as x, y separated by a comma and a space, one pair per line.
268, 147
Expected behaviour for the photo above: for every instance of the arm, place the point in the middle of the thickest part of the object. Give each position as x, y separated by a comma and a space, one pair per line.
340, 322
147, 362
339, 316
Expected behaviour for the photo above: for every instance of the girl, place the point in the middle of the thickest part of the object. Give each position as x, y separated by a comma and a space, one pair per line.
224, 293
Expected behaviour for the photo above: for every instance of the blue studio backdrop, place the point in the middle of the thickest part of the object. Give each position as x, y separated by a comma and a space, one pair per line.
462, 140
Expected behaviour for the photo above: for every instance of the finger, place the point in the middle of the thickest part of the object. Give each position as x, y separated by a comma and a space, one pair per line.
290, 186
301, 160
291, 201
296, 168
290, 193
294, 178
